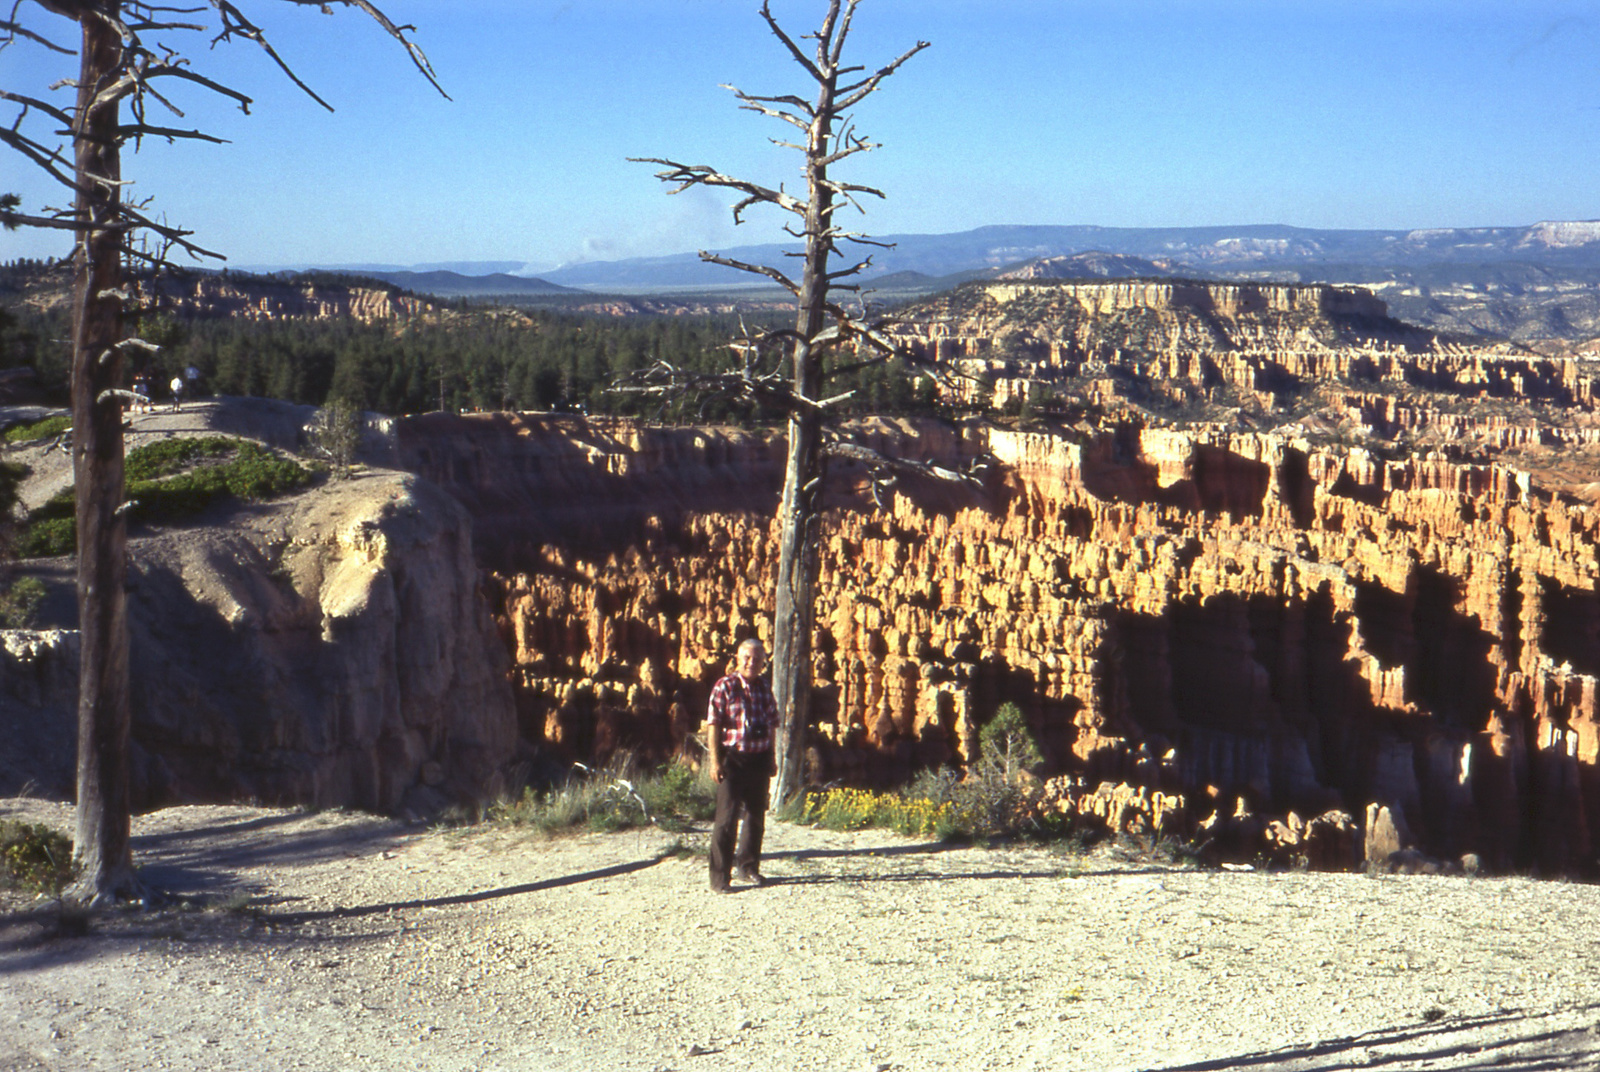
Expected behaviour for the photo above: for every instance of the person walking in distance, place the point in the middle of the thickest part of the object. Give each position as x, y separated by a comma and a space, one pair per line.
744, 719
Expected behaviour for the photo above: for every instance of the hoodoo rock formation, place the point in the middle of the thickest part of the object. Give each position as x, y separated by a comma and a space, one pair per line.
1372, 627
1272, 630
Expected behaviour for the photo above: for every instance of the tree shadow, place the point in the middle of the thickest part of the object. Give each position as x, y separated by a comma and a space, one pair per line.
1525, 1049
193, 862
297, 918
34, 939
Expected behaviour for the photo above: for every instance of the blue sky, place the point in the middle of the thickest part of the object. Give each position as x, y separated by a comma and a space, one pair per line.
1355, 113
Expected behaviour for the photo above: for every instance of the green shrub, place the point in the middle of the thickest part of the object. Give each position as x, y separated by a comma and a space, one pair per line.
167, 456
45, 429
680, 791
19, 603
612, 799
48, 537
992, 799
35, 858
1007, 744
169, 481
335, 434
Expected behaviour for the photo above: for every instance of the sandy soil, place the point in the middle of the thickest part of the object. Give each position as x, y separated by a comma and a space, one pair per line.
331, 941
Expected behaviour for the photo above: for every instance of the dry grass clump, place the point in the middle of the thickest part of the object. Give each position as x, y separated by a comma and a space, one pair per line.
615, 797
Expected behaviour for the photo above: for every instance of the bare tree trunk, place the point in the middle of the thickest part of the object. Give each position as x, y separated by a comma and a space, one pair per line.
102, 852
820, 328
802, 482
793, 614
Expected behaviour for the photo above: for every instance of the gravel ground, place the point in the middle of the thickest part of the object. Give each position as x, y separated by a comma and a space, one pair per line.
337, 941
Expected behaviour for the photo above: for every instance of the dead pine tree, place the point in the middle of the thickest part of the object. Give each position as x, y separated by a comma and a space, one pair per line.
120, 81
790, 369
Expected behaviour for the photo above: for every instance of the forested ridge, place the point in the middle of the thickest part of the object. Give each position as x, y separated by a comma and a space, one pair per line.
458, 357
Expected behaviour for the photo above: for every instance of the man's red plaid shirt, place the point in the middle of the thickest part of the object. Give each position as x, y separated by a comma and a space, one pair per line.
745, 713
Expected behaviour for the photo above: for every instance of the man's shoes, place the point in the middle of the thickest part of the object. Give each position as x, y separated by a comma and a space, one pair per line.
752, 876
721, 887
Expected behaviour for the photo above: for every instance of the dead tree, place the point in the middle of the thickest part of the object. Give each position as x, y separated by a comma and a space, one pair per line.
790, 369
81, 149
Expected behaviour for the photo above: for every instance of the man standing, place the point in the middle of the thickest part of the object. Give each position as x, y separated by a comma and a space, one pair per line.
743, 718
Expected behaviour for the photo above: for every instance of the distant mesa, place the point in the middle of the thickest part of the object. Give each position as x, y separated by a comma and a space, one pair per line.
448, 284
1096, 264
1277, 248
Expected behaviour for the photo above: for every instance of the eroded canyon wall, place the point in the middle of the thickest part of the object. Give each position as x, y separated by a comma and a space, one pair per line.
1264, 344
1258, 624
332, 649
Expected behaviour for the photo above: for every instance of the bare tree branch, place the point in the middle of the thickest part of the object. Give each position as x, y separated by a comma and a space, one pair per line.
10, 219
687, 175
755, 269
235, 24
855, 94
13, 29
971, 476
44, 106
788, 42
885, 470
139, 131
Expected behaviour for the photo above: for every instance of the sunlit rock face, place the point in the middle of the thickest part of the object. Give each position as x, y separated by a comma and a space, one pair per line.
1182, 343
1264, 627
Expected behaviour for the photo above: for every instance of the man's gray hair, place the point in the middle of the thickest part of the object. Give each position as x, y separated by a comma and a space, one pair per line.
752, 642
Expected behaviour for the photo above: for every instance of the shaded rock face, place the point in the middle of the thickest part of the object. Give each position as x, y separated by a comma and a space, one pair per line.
335, 651
38, 697
1263, 626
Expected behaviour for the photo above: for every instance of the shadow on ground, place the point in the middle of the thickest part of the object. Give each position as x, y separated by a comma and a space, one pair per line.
1508, 1041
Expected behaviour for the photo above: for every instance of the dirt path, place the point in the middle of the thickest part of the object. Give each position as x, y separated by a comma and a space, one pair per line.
370, 944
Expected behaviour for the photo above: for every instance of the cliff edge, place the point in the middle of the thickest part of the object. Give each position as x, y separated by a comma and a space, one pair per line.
331, 649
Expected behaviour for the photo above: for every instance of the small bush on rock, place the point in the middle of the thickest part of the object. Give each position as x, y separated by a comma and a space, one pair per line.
169, 481
335, 434
36, 859
19, 603
45, 429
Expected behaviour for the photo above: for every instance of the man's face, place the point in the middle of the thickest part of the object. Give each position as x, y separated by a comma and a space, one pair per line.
752, 660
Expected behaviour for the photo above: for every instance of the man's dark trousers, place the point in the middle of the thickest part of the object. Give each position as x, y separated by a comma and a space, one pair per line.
743, 789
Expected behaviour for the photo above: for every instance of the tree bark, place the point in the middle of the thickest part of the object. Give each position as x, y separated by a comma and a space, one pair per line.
793, 611
102, 850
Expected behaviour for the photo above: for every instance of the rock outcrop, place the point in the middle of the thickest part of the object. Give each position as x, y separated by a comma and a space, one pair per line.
1256, 623
263, 298
1266, 346
332, 650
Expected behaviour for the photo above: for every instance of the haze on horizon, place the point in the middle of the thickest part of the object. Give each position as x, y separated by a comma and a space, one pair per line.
1356, 114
